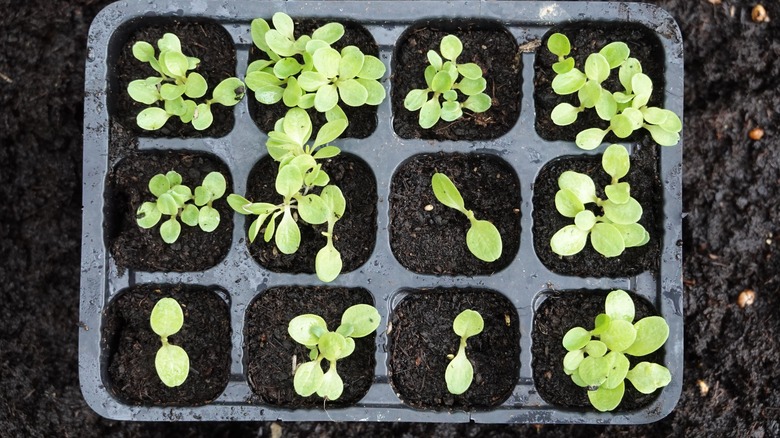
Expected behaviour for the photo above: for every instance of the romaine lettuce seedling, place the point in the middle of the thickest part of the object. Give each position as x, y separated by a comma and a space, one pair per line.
596, 359
442, 80
483, 238
312, 331
614, 231
174, 84
171, 361
460, 372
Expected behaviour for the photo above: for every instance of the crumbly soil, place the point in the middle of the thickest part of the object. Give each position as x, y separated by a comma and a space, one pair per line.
645, 188
362, 120
270, 353
492, 48
143, 249
421, 337
433, 240
130, 345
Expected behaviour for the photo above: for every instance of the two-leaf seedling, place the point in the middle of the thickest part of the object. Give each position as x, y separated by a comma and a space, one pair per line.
626, 110
312, 331
483, 238
441, 78
171, 362
596, 359
460, 372
173, 200
614, 231
174, 83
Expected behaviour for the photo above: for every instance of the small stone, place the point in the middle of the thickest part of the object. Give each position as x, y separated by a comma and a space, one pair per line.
428, 207
746, 298
704, 388
756, 134
759, 14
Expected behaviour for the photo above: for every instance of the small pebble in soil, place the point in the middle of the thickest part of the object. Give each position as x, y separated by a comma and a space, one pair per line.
746, 298
428, 207
759, 14
756, 134
704, 388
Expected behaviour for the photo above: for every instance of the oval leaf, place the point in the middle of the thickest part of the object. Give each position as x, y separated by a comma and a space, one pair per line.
167, 318
172, 365
484, 241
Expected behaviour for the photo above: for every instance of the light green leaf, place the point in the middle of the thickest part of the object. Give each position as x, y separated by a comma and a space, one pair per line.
576, 338
572, 360
590, 138
607, 240
672, 123
189, 111
651, 333
326, 98
286, 67
585, 220
147, 215
615, 53
661, 136
624, 214
621, 125
468, 323
589, 94
642, 87
594, 370
349, 348
647, 377
237, 203
351, 62
415, 99
569, 82
326, 61
280, 44
606, 106
618, 193
172, 365
627, 71
478, 103
373, 68
330, 33
434, 59
304, 329
459, 374
618, 370
196, 86
451, 111
334, 199
284, 24
654, 115
635, 116
442, 82
376, 92
429, 113
142, 91
597, 67
619, 305
308, 378
328, 263
472, 87
159, 184
470, 70
153, 118
604, 399
170, 230
260, 79
451, 47
332, 386
229, 92
215, 183
288, 235
564, 114
633, 234
171, 91
569, 240
167, 204
167, 317
259, 28
208, 219
203, 117
297, 126
564, 66
558, 44
446, 192
450, 95
580, 184
169, 42
176, 107
259, 66
352, 92
596, 348
271, 228
175, 62
143, 51
616, 161
327, 133
429, 73
567, 203
619, 335
622, 98
363, 318
312, 209
190, 215
331, 344
289, 181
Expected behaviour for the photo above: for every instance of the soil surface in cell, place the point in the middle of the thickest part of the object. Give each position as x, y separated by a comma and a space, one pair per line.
430, 238
559, 313
422, 337
362, 120
586, 39
645, 188
144, 249
492, 48
271, 354
205, 40
131, 345
354, 233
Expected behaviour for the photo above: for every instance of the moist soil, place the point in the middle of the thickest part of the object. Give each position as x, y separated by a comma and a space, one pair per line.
203, 39
556, 315
433, 240
131, 345
487, 44
143, 249
646, 188
362, 120
421, 337
354, 234
729, 234
271, 354
586, 39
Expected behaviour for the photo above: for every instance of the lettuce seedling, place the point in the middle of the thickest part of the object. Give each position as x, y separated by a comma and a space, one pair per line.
442, 80
614, 231
312, 331
171, 361
460, 372
626, 110
596, 359
483, 238
174, 84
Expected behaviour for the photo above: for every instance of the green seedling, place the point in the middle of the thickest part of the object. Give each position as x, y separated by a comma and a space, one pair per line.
483, 238
171, 361
173, 199
626, 110
323, 79
176, 86
614, 231
312, 331
442, 79
596, 359
460, 372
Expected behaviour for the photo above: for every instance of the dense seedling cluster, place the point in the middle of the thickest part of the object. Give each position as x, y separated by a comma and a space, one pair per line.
460, 372
176, 86
171, 361
615, 230
442, 78
626, 109
312, 331
596, 359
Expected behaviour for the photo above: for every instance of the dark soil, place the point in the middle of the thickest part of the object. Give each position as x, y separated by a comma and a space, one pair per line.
485, 43
354, 235
586, 39
270, 352
422, 336
131, 345
362, 120
558, 313
203, 39
645, 188
143, 249
434, 242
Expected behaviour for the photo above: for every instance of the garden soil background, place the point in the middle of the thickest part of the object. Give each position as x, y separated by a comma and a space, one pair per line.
731, 235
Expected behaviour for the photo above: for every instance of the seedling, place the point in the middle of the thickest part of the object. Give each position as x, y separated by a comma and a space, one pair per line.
312, 331
173, 200
626, 110
614, 231
483, 238
442, 80
460, 372
326, 76
596, 359
174, 84
171, 361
